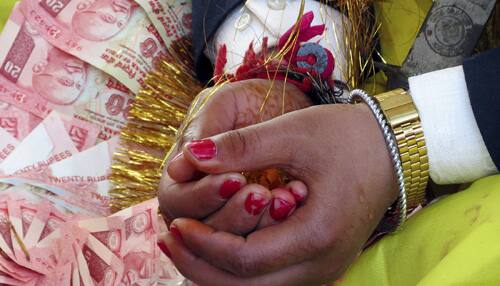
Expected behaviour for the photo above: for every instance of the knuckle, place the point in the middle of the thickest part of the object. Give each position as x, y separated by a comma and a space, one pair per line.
237, 143
189, 133
205, 198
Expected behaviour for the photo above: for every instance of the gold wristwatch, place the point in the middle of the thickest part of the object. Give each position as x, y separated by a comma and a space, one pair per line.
402, 115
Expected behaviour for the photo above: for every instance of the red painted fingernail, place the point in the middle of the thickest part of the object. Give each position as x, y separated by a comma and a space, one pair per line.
175, 232
203, 149
298, 196
229, 188
280, 209
163, 247
255, 203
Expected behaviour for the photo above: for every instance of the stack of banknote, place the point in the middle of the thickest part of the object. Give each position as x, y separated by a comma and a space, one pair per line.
44, 245
69, 71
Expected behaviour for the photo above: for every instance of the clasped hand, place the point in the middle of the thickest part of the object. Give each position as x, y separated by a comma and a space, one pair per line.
227, 232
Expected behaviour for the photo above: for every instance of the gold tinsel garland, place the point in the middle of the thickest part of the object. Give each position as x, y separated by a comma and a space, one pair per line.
154, 120
160, 109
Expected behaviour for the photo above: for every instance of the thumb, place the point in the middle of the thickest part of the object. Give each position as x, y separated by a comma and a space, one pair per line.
256, 147
231, 107
215, 118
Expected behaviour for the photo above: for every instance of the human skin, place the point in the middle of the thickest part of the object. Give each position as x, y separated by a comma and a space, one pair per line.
225, 201
339, 152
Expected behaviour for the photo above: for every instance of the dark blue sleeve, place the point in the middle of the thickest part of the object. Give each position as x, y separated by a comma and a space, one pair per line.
208, 15
482, 74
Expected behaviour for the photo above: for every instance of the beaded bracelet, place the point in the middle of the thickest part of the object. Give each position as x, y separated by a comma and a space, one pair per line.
401, 204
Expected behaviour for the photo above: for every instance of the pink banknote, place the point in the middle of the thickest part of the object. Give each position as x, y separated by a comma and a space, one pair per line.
67, 272
171, 18
20, 260
140, 252
38, 78
84, 134
108, 230
59, 203
34, 222
15, 220
167, 273
75, 250
16, 121
48, 143
97, 264
39, 255
33, 195
5, 279
106, 234
8, 144
25, 254
16, 271
6, 244
80, 183
115, 36
33, 219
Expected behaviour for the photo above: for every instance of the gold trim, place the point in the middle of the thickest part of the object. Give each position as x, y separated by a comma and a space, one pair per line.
402, 115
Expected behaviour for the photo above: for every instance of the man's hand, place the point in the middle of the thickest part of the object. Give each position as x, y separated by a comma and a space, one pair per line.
340, 153
224, 201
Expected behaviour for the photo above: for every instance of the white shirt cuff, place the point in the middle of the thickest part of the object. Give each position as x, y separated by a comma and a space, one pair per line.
456, 150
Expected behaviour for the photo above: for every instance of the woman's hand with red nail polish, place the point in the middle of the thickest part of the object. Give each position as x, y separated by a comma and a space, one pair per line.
226, 203
350, 184
186, 192
202, 149
233, 106
199, 198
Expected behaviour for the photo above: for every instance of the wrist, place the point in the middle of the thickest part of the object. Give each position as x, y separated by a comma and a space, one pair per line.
379, 170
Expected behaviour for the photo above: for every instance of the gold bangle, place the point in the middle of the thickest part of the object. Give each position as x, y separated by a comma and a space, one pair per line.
402, 115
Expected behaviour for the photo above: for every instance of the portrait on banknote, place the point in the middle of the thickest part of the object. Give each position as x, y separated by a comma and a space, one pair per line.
99, 20
60, 78
31, 66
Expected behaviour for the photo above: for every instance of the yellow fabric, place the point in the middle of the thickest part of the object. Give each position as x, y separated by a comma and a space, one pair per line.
400, 22
454, 241
5, 8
